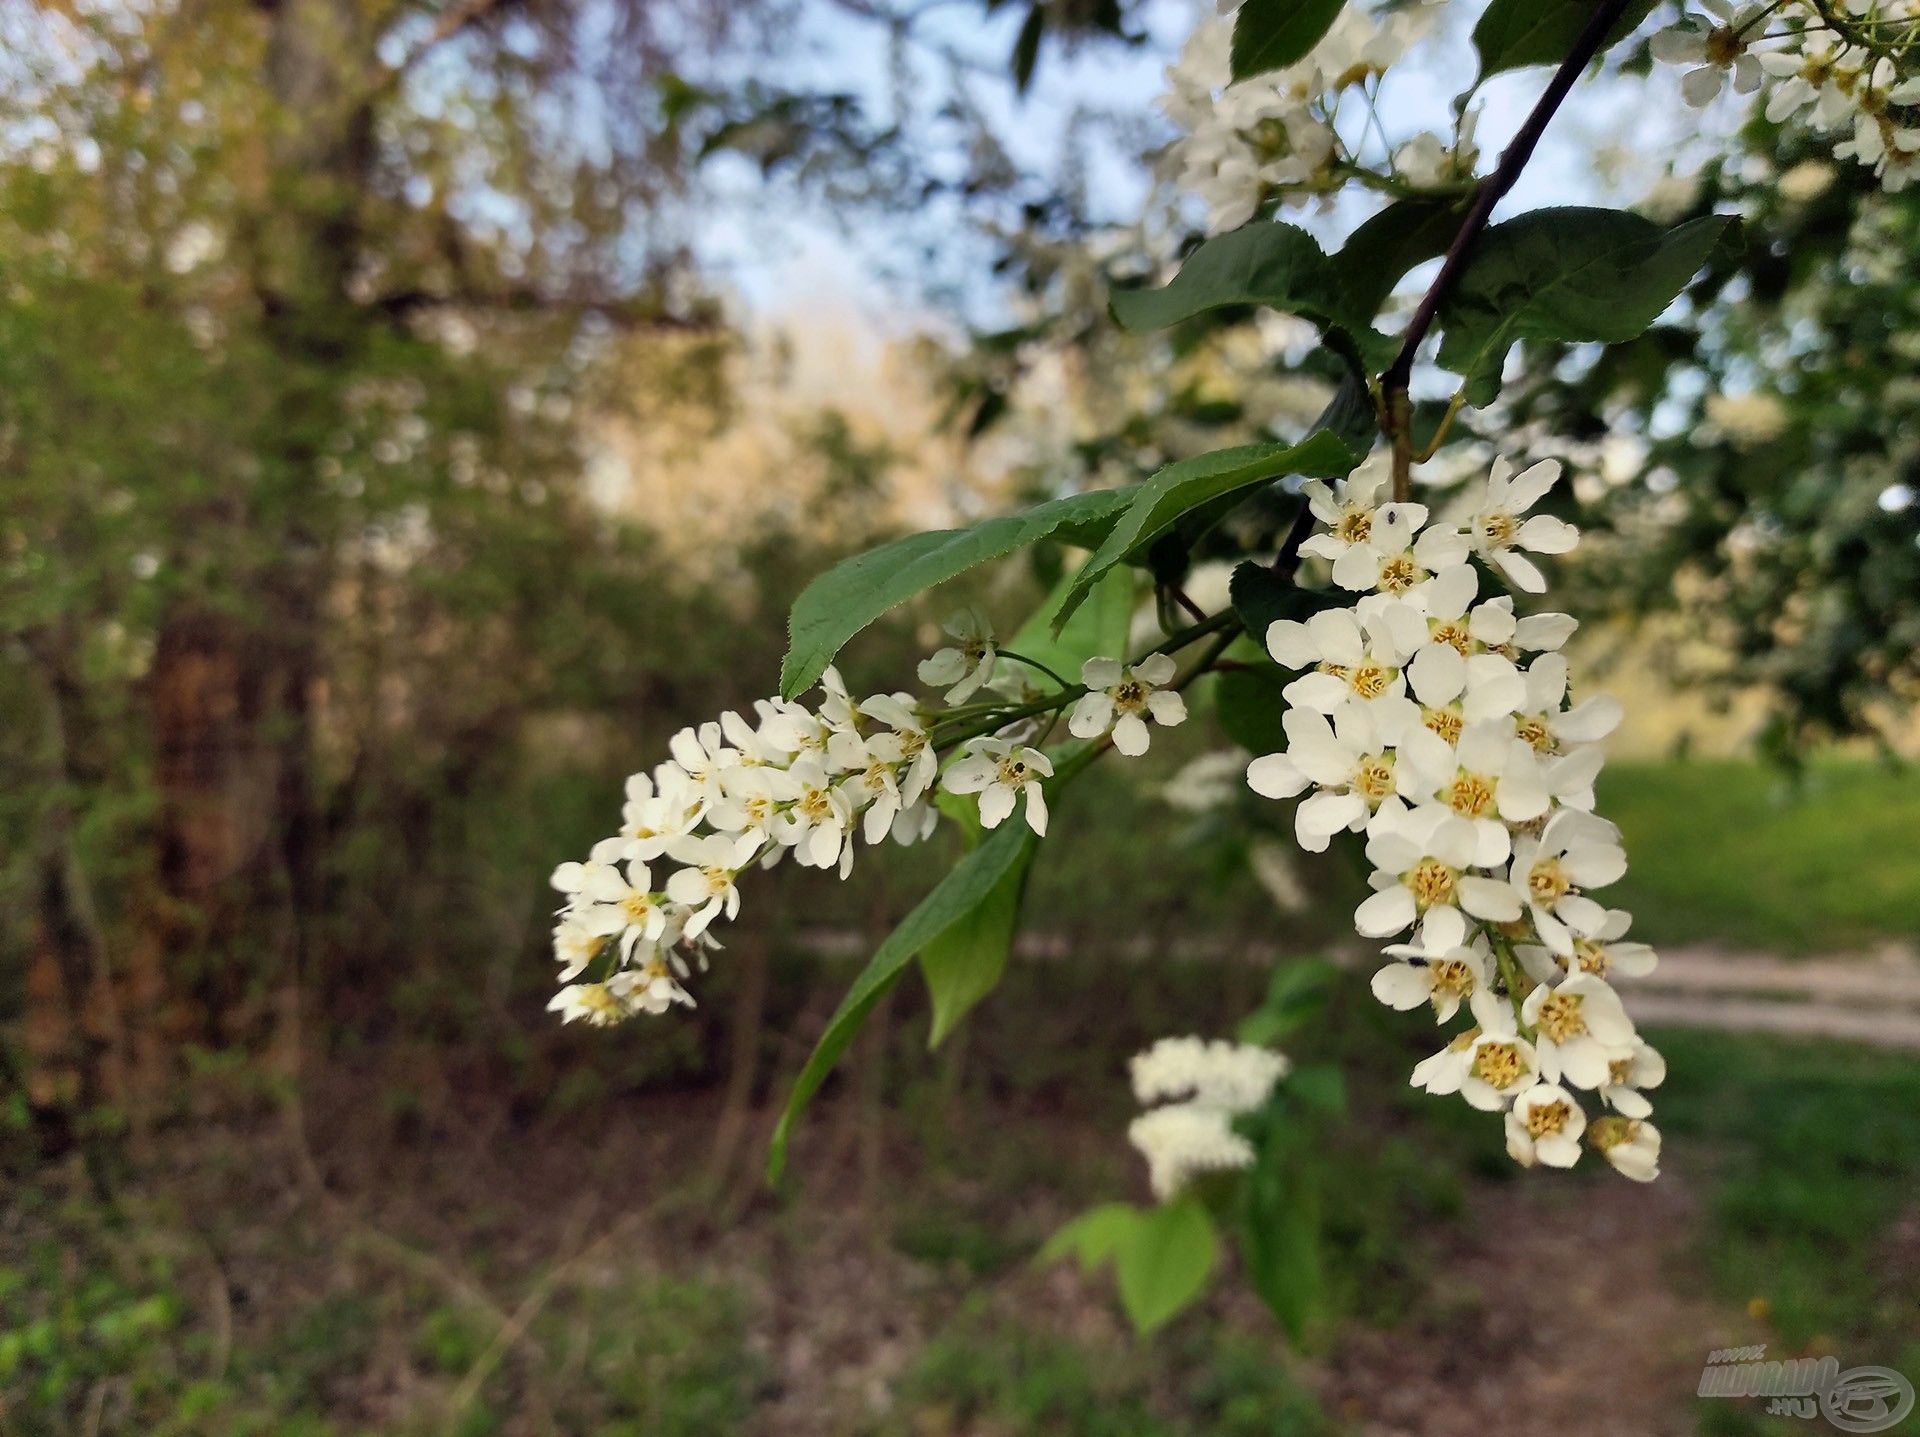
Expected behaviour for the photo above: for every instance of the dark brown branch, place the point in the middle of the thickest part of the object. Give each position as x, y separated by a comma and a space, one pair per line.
1286, 563
1490, 191
636, 314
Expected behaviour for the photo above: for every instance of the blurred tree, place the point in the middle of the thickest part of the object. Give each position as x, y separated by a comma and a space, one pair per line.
302, 301
1751, 460
312, 312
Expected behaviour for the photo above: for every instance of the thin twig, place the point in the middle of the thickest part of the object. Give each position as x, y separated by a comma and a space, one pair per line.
1395, 377
1185, 601
1286, 563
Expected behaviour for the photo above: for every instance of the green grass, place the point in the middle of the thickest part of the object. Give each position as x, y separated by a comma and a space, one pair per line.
95, 1316
986, 1372
1811, 1192
1734, 853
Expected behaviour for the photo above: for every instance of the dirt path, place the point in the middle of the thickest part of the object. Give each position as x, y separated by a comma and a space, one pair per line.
1869, 998
1564, 1312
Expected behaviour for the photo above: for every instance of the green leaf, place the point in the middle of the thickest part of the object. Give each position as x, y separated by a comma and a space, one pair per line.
1093, 1237
1380, 252
970, 883
1249, 705
1185, 486
964, 963
1513, 33
1270, 34
1162, 1256
1349, 415
1568, 274
1319, 1086
1280, 1235
1100, 626
1297, 994
1274, 264
1164, 1263
853, 593
1259, 596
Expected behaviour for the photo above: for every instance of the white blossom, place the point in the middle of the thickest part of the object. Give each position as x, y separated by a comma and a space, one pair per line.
1000, 771
1423, 861
1500, 533
1182, 1140
1581, 1029
1236, 1077
1350, 761
966, 665
1544, 1126
1121, 698
1630, 1144
1209, 1084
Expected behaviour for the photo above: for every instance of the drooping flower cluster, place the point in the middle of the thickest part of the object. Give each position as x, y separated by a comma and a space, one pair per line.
812, 783
734, 794
1279, 135
1437, 723
1201, 1087
1840, 67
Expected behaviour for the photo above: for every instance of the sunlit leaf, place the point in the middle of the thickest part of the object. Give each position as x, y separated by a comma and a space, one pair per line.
1566, 274
1179, 488
1270, 34
967, 885
965, 963
1513, 33
1163, 1264
856, 591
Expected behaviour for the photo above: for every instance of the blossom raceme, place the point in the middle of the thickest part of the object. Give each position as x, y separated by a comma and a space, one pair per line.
637, 916
1443, 727
1283, 136
737, 793
1844, 71
1201, 1086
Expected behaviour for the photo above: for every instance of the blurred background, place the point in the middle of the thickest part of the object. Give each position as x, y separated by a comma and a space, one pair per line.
411, 414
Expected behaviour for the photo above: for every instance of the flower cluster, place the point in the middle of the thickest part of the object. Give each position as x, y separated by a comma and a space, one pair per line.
1841, 67
812, 783
1275, 135
1437, 723
735, 793
1201, 1087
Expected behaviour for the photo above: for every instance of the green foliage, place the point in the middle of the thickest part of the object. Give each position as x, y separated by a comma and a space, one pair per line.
970, 883
1190, 484
1279, 1212
1272, 264
1163, 1265
1737, 853
1566, 274
1162, 1256
964, 963
1249, 705
1815, 1156
1261, 597
1382, 249
989, 1372
853, 593
1271, 34
1101, 625
1296, 996
667, 1357
1772, 408
1514, 33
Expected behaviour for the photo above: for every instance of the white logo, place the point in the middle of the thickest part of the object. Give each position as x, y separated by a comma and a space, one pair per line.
1860, 1399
